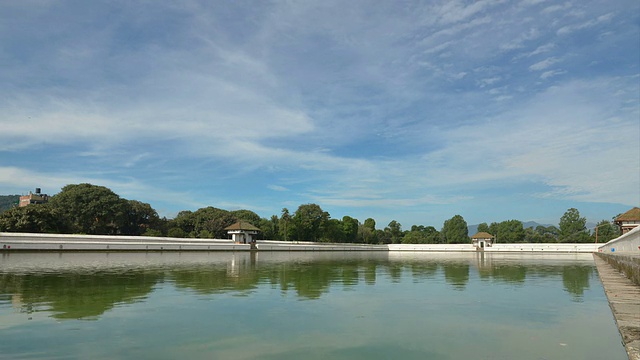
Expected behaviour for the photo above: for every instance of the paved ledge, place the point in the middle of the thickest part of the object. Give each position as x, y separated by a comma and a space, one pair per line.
624, 300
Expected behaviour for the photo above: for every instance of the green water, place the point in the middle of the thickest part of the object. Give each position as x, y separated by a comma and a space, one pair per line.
303, 306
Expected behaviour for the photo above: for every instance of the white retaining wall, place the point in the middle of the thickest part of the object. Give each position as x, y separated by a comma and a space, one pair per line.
521, 247
61, 242
271, 245
626, 243
431, 247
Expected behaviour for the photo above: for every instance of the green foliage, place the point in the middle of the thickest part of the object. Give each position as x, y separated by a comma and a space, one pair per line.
309, 221
350, 229
176, 232
606, 231
152, 232
139, 217
455, 231
333, 231
8, 201
420, 234
509, 231
209, 220
395, 232
270, 228
90, 209
483, 227
370, 224
285, 221
246, 215
205, 234
414, 237
573, 227
31, 219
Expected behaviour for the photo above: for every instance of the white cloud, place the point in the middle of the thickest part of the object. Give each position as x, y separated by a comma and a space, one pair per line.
277, 188
542, 49
565, 30
552, 73
366, 106
455, 11
555, 8
489, 81
541, 65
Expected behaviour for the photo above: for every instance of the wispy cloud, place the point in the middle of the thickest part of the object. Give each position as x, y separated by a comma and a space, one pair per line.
541, 65
565, 30
552, 73
407, 107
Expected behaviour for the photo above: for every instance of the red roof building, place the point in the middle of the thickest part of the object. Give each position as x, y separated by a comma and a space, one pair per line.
629, 220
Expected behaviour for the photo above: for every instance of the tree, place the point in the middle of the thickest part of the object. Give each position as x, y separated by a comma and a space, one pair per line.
483, 227
90, 209
395, 232
176, 232
285, 219
370, 224
455, 231
420, 234
414, 237
32, 219
184, 221
350, 229
510, 231
333, 231
139, 217
309, 221
269, 228
573, 227
246, 215
606, 231
367, 232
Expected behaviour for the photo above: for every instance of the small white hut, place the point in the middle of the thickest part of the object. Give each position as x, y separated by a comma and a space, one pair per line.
242, 232
482, 240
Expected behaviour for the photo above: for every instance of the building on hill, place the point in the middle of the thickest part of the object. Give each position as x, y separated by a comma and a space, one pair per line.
37, 198
629, 220
482, 240
242, 232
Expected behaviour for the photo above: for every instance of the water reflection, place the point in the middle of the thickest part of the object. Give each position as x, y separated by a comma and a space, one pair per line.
73, 295
86, 285
575, 279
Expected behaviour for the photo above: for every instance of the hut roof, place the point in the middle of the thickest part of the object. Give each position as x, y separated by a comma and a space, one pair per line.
242, 225
631, 215
482, 235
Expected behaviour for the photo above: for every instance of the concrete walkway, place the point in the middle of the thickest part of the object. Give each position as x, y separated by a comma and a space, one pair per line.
624, 300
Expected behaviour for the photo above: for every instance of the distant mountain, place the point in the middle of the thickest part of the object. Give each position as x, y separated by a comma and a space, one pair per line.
8, 201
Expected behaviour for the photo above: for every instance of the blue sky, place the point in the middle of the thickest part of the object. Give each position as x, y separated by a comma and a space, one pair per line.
405, 110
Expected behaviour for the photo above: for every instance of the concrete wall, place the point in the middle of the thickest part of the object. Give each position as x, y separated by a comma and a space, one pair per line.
265, 245
628, 243
629, 265
57, 242
523, 247
431, 247
546, 247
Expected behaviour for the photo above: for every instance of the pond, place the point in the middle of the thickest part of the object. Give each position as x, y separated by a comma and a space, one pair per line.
311, 305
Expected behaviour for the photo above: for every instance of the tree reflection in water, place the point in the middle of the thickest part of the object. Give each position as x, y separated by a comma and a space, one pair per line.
87, 293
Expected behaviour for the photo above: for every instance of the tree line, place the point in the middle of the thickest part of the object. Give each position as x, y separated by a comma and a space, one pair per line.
92, 209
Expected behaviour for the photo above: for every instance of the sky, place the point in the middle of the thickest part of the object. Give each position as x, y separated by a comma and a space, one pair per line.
413, 111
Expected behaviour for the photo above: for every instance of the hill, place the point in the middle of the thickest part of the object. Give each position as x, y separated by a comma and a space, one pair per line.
8, 201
